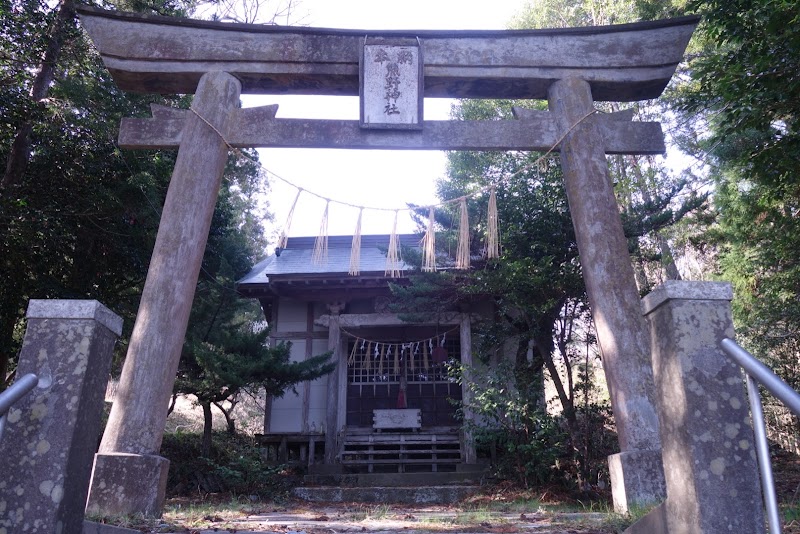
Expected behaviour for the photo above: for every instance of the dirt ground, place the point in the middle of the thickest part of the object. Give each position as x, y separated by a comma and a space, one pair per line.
498, 509
354, 517
501, 509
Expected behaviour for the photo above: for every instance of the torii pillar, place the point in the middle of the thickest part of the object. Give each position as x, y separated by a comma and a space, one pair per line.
128, 476
613, 297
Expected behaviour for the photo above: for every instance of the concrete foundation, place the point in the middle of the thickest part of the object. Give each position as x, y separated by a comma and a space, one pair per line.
90, 527
706, 434
127, 484
386, 495
325, 469
46, 452
637, 479
464, 477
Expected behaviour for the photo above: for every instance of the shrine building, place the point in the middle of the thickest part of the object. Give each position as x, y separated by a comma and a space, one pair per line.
391, 402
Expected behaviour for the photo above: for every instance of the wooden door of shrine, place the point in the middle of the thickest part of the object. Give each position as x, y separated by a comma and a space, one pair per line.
393, 374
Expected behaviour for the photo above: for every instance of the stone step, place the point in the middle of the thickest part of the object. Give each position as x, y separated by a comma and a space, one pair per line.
465, 475
387, 495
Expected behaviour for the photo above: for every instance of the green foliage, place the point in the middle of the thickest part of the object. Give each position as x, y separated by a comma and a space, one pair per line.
532, 447
428, 294
215, 372
569, 13
747, 81
234, 466
592, 439
80, 220
529, 442
742, 115
238, 358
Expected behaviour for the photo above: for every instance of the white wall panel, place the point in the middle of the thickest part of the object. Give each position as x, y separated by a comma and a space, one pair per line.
292, 316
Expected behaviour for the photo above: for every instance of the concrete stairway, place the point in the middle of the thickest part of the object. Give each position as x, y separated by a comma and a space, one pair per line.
400, 467
398, 488
386, 495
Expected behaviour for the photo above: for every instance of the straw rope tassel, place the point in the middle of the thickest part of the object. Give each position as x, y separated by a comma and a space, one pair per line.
352, 359
361, 372
320, 255
429, 245
355, 248
462, 252
396, 360
284, 239
493, 231
393, 254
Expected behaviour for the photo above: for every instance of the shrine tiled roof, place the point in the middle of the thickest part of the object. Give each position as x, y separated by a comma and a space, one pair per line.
296, 258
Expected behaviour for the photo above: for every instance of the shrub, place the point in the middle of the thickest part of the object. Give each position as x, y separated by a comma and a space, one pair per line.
235, 466
532, 446
528, 441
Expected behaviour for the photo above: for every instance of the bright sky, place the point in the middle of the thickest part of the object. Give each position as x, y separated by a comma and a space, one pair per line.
374, 178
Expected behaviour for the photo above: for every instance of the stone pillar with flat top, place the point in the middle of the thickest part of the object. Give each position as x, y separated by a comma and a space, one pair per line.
636, 475
707, 438
129, 476
47, 449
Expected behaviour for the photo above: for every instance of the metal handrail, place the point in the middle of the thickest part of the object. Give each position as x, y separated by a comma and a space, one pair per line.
757, 371
15, 392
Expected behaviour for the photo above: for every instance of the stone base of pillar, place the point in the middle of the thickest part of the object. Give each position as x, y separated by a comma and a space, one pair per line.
637, 479
128, 484
654, 522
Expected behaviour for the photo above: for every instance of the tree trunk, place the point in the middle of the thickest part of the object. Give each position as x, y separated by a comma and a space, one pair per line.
9, 312
229, 421
172, 403
667, 259
19, 154
208, 421
3, 370
83, 272
529, 376
545, 347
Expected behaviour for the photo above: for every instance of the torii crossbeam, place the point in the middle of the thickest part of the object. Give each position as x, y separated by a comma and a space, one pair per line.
571, 68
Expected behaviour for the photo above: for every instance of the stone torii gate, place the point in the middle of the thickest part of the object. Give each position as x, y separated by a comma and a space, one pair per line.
393, 71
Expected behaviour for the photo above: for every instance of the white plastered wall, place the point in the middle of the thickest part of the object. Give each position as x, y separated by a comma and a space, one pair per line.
318, 398
287, 411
